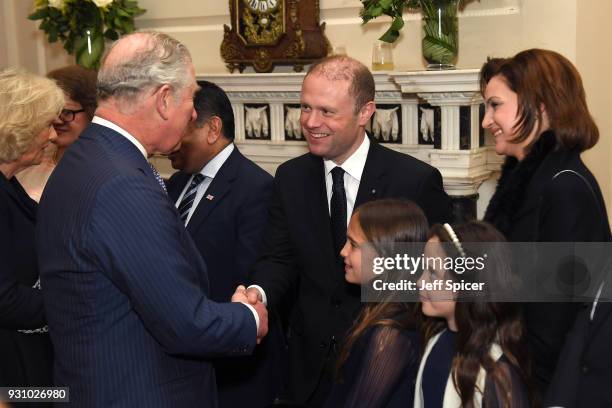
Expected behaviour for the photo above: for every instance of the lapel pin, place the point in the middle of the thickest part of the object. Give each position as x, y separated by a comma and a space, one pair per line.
210, 197
373, 191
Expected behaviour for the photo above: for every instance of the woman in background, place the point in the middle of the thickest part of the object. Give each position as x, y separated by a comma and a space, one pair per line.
79, 86
29, 106
537, 112
377, 364
474, 355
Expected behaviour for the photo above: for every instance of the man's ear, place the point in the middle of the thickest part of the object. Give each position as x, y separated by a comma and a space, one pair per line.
163, 100
215, 127
366, 112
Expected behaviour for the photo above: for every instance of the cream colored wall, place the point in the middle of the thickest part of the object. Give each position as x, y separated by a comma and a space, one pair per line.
595, 65
487, 27
575, 28
3, 38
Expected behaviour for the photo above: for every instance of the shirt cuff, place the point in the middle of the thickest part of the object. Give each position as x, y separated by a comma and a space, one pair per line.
264, 299
254, 315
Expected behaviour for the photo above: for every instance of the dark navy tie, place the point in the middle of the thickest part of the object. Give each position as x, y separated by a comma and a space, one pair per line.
338, 209
190, 196
158, 178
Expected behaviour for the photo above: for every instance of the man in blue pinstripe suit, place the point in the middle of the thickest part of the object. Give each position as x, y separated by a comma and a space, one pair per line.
125, 289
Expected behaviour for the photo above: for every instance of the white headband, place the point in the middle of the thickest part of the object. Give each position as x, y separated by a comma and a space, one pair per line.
453, 236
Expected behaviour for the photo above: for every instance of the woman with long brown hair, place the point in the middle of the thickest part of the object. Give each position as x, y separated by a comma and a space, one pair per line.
537, 112
378, 361
473, 355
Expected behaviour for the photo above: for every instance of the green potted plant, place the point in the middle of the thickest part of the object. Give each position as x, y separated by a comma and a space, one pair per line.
83, 25
440, 44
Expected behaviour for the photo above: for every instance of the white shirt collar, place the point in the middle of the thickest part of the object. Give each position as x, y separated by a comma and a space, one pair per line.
212, 167
355, 163
106, 123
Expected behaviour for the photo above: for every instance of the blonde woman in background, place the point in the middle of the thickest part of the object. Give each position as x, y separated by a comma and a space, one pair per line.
79, 86
29, 106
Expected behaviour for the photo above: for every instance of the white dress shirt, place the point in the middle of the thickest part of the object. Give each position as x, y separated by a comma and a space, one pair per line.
353, 169
209, 171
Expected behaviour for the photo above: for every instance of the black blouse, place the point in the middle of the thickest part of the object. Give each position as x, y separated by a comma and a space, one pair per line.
380, 370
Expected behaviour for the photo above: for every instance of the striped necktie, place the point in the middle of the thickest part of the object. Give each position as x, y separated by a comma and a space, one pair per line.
190, 196
160, 181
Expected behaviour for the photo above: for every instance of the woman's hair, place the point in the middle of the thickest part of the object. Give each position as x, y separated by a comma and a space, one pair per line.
384, 224
27, 103
79, 84
482, 319
545, 79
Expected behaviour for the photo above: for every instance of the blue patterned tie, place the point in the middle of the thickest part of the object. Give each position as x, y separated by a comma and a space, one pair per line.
158, 178
337, 207
190, 196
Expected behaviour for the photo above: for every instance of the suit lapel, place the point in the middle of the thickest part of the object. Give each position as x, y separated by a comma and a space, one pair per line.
219, 187
371, 185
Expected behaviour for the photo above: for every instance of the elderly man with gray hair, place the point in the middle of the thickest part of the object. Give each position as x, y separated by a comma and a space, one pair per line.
125, 287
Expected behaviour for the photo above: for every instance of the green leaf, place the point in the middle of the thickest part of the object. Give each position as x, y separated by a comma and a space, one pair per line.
392, 33
122, 13
375, 12
39, 14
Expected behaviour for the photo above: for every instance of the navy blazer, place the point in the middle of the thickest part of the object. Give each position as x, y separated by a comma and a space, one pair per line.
298, 259
125, 289
228, 230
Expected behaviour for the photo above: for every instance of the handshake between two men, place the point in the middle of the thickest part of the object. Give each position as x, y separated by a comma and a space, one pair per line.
252, 297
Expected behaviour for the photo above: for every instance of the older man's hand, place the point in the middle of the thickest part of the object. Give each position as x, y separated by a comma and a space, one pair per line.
243, 295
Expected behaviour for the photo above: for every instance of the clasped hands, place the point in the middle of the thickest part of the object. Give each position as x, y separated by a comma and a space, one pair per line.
252, 297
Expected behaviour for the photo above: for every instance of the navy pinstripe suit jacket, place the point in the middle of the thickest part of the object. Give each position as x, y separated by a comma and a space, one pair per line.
124, 286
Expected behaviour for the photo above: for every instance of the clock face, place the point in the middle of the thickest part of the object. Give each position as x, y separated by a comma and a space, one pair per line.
261, 22
262, 6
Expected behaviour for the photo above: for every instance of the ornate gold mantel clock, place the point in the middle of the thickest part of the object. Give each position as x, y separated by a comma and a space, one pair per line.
265, 33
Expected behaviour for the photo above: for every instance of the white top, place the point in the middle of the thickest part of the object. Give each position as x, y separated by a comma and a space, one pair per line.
451, 396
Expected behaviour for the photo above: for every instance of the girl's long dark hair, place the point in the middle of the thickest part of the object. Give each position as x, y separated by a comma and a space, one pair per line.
385, 223
483, 320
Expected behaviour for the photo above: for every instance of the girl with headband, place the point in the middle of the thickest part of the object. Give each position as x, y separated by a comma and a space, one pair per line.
473, 355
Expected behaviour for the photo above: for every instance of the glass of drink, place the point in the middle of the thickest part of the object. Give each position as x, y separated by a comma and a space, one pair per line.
382, 56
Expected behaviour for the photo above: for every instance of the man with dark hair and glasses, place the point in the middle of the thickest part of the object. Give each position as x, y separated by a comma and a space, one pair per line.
79, 86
